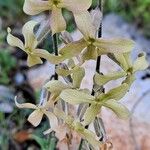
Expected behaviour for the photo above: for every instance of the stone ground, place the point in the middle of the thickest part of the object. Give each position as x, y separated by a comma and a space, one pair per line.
131, 134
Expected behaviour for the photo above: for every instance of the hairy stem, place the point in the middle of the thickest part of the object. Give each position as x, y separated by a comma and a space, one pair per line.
55, 48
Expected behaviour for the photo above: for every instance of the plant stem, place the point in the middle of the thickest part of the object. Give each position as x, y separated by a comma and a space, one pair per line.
55, 48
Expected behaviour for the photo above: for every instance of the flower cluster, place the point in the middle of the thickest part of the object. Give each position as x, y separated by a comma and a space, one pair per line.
75, 53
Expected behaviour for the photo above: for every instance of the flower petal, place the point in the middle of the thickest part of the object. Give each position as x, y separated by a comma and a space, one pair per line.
116, 93
76, 97
91, 138
55, 86
25, 105
32, 7
52, 119
14, 41
35, 117
73, 49
30, 39
119, 45
100, 79
58, 22
120, 110
33, 60
90, 53
90, 114
63, 72
49, 57
140, 63
77, 76
84, 24
77, 6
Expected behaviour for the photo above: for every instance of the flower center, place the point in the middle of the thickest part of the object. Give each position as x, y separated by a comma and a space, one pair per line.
56, 2
90, 41
28, 50
130, 71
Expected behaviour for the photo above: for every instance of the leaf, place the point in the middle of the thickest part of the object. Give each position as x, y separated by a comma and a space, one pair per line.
100, 79
76, 97
120, 110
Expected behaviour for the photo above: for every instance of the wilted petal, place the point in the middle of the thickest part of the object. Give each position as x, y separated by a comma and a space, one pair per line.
114, 45
35, 117
76, 97
120, 110
140, 63
55, 86
90, 53
100, 79
58, 23
77, 76
14, 41
116, 93
77, 6
34, 7
30, 39
84, 24
33, 60
73, 49
91, 113
25, 105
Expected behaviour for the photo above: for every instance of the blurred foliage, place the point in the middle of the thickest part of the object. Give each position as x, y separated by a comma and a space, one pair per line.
137, 11
7, 62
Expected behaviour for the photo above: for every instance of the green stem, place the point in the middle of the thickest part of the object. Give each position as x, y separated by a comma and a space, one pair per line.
55, 48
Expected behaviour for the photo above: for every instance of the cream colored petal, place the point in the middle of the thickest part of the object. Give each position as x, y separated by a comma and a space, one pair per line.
25, 105
119, 45
90, 114
34, 7
58, 22
84, 24
116, 93
29, 36
55, 86
129, 80
35, 117
76, 97
77, 6
52, 119
63, 72
14, 41
33, 60
77, 76
73, 49
120, 110
90, 53
100, 79
49, 57
91, 138
140, 63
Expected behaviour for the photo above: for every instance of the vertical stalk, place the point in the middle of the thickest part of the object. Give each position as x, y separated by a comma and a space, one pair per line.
55, 48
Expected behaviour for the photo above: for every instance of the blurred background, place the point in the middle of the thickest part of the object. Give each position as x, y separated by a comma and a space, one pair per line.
126, 18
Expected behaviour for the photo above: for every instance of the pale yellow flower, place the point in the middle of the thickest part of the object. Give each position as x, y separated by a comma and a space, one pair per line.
90, 46
30, 46
58, 24
109, 100
36, 116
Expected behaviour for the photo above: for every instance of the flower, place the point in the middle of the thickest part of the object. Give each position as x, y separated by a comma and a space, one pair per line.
92, 47
58, 23
36, 116
34, 54
109, 100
